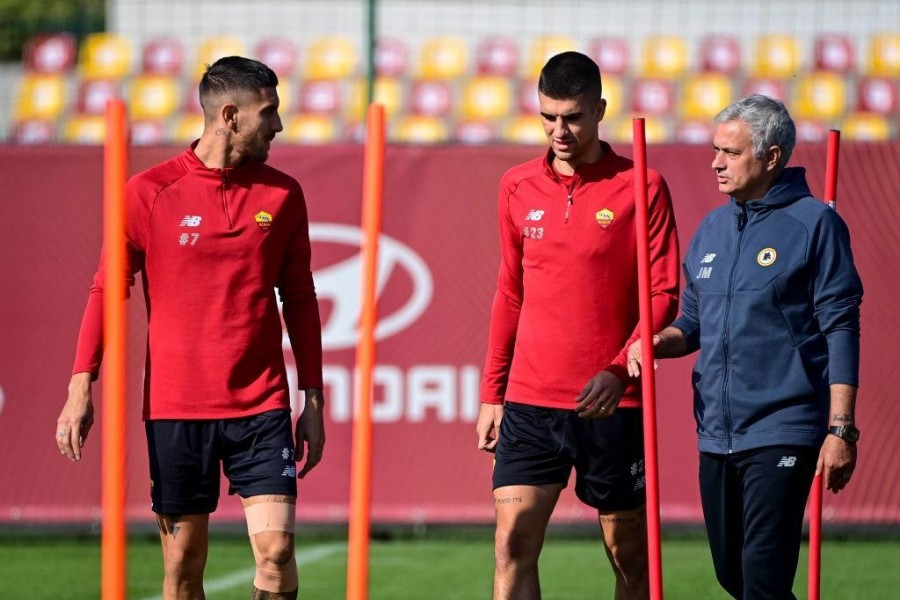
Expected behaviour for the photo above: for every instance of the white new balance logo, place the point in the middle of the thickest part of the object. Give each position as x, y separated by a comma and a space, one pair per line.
534, 215
191, 221
787, 461
289, 472
708, 258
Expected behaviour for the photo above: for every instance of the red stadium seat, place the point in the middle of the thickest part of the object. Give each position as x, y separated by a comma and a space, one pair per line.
431, 97
163, 56
320, 96
652, 97
497, 56
834, 53
34, 131
191, 104
527, 97
810, 130
773, 88
475, 132
720, 54
391, 57
148, 132
279, 54
93, 94
877, 95
611, 54
694, 132
50, 53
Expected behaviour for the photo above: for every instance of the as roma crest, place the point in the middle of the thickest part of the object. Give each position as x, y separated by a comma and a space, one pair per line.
605, 218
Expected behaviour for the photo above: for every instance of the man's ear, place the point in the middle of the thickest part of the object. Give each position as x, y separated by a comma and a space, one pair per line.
229, 116
601, 109
773, 158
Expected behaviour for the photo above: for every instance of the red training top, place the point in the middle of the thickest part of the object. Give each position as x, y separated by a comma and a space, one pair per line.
211, 245
566, 305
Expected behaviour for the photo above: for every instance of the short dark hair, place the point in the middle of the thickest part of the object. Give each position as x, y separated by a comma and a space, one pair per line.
568, 75
234, 74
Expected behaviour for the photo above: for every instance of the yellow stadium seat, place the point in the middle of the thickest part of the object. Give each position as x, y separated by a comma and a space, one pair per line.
443, 58
419, 129
306, 128
40, 97
388, 92
542, 48
524, 129
212, 49
105, 55
486, 97
186, 129
656, 130
154, 97
703, 95
664, 56
614, 93
286, 96
884, 55
84, 129
866, 127
777, 56
330, 58
820, 96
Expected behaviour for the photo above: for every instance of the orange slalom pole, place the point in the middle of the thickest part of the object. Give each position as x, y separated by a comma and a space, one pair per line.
361, 457
113, 537
814, 581
648, 376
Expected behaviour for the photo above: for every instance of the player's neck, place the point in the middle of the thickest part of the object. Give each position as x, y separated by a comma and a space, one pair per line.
215, 149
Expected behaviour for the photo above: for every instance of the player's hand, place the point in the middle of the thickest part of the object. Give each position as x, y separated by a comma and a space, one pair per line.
837, 460
488, 426
77, 417
635, 359
600, 396
309, 435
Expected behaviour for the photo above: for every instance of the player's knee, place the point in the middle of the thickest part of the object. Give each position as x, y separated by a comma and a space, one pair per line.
516, 546
274, 549
629, 558
183, 565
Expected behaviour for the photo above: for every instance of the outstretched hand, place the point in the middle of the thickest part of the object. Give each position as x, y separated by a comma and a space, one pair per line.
77, 417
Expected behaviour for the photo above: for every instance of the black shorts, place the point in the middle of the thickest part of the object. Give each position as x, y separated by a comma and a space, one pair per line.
256, 453
540, 446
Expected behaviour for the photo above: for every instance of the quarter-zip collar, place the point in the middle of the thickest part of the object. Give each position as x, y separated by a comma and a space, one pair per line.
789, 187
584, 172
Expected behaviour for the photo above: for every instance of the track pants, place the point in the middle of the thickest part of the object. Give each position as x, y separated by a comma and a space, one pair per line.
753, 504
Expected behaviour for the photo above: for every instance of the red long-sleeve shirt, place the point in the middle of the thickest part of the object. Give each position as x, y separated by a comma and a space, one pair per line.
212, 245
566, 305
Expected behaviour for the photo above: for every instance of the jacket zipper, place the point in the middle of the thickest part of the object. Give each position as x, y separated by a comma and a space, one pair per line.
225, 199
569, 201
726, 413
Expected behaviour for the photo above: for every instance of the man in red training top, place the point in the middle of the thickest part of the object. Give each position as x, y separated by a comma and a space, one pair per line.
213, 232
555, 392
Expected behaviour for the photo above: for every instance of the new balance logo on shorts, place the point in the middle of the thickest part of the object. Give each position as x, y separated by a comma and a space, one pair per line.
787, 461
290, 471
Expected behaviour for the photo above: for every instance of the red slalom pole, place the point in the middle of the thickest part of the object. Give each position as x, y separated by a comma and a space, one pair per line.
648, 376
815, 496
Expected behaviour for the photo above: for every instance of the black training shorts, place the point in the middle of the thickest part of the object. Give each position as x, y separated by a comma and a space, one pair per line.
256, 454
540, 446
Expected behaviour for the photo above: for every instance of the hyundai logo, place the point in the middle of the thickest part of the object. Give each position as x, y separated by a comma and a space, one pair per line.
339, 283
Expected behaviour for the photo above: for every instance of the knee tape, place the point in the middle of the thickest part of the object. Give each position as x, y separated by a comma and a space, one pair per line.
275, 581
270, 516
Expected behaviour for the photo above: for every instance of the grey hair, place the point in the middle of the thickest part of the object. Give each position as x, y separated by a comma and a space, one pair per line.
769, 122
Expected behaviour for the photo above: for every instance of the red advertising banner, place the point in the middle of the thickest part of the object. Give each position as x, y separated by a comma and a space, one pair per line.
437, 268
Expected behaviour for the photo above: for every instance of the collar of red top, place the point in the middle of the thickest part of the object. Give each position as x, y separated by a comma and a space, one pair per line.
585, 171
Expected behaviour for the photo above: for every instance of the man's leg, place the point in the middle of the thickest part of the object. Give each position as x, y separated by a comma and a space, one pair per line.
270, 524
625, 537
184, 547
722, 511
523, 512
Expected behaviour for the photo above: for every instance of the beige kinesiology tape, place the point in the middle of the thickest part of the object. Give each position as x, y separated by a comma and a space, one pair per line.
270, 516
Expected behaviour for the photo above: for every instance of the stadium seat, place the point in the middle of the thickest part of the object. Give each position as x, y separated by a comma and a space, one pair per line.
703, 95
419, 129
93, 94
656, 130
485, 97
279, 54
542, 48
614, 93
524, 129
154, 97
105, 55
652, 97
611, 54
877, 95
286, 96
213, 48
163, 56
819, 96
49, 53
191, 103
431, 97
776, 56
310, 128
475, 132
694, 132
884, 55
84, 129
148, 132
388, 92
41, 96
809, 130
391, 57
34, 131
497, 56
527, 97
773, 88
320, 96
331, 57
186, 129
869, 127
720, 54
664, 56
834, 53
443, 58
